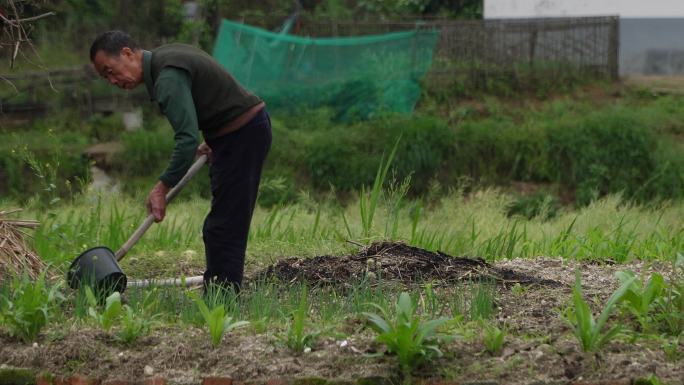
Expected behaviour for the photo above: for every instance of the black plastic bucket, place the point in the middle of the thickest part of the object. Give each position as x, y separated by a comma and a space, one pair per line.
98, 268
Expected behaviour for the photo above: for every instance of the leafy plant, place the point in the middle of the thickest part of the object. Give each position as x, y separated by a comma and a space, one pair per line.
135, 324
412, 339
640, 299
216, 319
25, 309
493, 338
110, 313
296, 337
132, 326
581, 320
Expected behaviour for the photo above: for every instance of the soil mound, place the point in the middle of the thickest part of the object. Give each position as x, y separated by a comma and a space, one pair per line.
397, 262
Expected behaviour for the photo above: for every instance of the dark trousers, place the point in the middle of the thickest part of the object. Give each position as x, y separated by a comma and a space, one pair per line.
235, 171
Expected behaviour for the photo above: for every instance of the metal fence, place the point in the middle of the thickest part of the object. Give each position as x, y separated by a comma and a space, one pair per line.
588, 44
476, 50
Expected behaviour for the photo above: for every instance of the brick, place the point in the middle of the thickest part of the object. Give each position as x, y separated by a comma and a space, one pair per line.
44, 379
83, 380
217, 381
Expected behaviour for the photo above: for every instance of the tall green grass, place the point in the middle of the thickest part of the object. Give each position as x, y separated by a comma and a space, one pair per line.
472, 224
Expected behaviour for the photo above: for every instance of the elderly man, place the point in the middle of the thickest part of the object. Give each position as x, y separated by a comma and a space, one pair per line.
196, 94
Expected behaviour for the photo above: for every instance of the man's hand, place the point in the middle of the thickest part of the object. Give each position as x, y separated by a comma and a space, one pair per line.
156, 201
203, 149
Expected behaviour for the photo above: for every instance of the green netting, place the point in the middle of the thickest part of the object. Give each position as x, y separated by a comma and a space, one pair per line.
357, 76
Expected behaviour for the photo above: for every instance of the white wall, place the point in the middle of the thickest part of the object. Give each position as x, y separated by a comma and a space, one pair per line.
502, 9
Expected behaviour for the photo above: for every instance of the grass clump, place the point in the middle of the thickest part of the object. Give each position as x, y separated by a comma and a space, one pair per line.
296, 336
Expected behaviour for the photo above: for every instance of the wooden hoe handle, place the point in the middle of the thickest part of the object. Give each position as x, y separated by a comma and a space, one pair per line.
169, 196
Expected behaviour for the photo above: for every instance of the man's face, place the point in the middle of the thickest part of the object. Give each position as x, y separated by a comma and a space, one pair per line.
123, 70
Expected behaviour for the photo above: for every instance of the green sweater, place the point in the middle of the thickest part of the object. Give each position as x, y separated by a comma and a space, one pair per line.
196, 94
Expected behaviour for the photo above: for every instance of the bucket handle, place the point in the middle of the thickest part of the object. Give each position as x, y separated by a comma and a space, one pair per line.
169, 196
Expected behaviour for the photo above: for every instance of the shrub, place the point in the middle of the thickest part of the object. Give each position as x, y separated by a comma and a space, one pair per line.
60, 154
538, 204
609, 152
347, 156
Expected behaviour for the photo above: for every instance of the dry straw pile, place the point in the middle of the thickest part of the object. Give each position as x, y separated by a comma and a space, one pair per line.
15, 256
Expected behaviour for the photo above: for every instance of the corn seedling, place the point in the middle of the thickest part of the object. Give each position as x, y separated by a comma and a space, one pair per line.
493, 338
216, 319
412, 339
639, 298
25, 309
110, 313
581, 320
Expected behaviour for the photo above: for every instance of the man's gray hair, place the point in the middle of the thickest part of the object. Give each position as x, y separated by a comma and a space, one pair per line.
111, 43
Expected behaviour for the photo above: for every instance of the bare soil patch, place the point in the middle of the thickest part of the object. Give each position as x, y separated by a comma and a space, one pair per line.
538, 345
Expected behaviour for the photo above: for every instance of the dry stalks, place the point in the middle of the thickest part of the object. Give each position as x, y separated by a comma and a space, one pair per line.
15, 256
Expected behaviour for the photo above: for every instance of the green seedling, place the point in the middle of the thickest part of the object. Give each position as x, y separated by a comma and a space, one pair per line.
640, 299
296, 337
581, 320
407, 335
136, 322
431, 302
217, 320
672, 351
493, 338
670, 306
650, 380
25, 309
482, 301
111, 312
133, 326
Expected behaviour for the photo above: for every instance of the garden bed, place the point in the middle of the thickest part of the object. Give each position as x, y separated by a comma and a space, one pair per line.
530, 296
